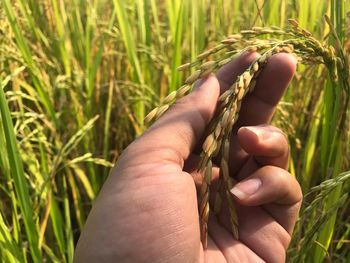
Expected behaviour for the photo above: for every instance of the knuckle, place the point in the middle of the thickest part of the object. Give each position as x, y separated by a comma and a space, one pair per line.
282, 134
276, 171
298, 191
276, 176
277, 130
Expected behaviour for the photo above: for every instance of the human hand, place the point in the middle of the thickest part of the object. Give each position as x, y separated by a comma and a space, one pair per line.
147, 209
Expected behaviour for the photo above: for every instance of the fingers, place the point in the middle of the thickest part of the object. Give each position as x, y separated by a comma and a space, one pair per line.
268, 184
274, 187
266, 143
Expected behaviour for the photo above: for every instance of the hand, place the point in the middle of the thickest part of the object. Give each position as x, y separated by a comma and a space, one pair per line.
147, 209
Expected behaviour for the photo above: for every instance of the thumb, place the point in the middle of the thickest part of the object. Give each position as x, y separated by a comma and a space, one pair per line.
174, 135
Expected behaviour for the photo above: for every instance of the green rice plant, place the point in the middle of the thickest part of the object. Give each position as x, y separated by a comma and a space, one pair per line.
64, 62
300, 251
10, 252
16, 173
131, 51
335, 105
28, 58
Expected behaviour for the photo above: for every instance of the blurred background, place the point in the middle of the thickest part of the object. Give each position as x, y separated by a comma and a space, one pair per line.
77, 78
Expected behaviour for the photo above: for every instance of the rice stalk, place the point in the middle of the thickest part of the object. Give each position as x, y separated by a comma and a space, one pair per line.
19, 180
309, 238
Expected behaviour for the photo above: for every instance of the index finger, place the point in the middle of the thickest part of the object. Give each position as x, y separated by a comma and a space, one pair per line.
259, 106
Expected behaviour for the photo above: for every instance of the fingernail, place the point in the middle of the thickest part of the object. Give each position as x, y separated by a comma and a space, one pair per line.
260, 132
246, 188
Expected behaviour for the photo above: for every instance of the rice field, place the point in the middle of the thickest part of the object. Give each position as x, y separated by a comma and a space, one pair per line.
78, 78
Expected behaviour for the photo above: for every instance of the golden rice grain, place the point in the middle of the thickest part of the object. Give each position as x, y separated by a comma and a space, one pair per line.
161, 110
150, 116
184, 67
170, 97
183, 91
191, 79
